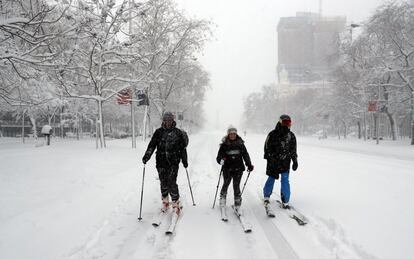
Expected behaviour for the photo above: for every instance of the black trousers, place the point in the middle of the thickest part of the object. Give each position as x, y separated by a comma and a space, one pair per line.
168, 182
228, 176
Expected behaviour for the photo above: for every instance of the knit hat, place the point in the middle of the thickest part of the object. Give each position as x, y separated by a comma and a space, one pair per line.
167, 116
231, 129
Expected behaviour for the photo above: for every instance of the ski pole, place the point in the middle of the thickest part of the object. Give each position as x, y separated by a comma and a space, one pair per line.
248, 175
218, 184
142, 194
191, 191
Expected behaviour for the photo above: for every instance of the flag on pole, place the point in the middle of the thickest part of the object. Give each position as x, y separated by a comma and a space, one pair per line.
124, 96
372, 106
142, 97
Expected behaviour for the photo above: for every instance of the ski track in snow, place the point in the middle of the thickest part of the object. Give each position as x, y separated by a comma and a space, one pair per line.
146, 241
324, 238
200, 232
333, 238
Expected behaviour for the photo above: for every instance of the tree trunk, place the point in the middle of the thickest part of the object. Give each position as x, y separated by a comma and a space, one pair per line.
101, 129
365, 127
339, 132
96, 134
345, 129
54, 128
77, 128
81, 128
393, 126
23, 126
359, 129
33, 121
62, 134
412, 118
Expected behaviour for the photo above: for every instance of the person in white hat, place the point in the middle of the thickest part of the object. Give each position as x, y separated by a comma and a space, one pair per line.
231, 155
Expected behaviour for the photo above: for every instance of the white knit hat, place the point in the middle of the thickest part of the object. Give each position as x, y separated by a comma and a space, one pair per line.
231, 129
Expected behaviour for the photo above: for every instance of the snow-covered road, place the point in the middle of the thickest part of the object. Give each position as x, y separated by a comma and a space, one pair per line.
72, 201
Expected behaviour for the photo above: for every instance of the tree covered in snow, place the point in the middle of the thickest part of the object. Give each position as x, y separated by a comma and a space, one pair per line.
170, 42
92, 50
98, 63
376, 66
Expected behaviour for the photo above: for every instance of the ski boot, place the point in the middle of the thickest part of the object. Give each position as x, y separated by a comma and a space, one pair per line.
269, 211
165, 204
177, 207
237, 204
285, 206
283, 203
266, 201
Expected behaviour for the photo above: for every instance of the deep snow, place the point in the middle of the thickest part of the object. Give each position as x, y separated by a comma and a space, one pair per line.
69, 200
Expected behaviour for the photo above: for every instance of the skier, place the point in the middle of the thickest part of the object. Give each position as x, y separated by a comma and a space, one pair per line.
231, 154
279, 150
171, 144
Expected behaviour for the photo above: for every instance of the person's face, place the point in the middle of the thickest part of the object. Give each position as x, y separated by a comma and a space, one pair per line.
232, 136
286, 123
168, 122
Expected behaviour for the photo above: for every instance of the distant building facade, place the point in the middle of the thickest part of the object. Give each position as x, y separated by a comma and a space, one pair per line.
307, 46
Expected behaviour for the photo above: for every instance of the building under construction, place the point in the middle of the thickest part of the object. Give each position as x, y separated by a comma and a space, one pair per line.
307, 46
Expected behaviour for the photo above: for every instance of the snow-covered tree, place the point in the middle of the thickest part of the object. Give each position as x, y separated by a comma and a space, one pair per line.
100, 61
170, 41
379, 65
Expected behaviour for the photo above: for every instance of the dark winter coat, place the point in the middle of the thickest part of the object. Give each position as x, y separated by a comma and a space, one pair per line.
233, 153
279, 150
171, 146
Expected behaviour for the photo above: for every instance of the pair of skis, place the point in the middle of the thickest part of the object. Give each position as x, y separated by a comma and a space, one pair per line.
291, 211
247, 228
159, 218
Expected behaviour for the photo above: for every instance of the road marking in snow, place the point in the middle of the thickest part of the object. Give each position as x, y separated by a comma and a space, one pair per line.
279, 244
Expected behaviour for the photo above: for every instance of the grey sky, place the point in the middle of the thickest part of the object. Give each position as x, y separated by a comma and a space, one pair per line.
243, 56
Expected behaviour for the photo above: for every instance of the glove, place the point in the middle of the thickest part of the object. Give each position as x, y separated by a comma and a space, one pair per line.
145, 158
185, 163
295, 165
250, 168
222, 161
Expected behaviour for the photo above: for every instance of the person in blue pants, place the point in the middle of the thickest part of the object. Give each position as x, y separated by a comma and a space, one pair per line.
279, 151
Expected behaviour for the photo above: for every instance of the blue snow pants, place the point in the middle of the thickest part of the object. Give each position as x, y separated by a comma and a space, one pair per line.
284, 188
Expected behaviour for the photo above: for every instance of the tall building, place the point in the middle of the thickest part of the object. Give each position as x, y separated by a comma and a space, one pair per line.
307, 44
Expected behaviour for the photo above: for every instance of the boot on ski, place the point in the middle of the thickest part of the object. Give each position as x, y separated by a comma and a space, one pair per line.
237, 204
269, 211
165, 204
177, 207
285, 206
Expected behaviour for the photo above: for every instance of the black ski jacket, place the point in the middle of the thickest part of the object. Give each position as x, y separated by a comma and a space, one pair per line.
279, 150
233, 153
171, 147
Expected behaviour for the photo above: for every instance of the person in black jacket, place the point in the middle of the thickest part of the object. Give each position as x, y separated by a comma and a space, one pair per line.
279, 150
171, 144
231, 154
